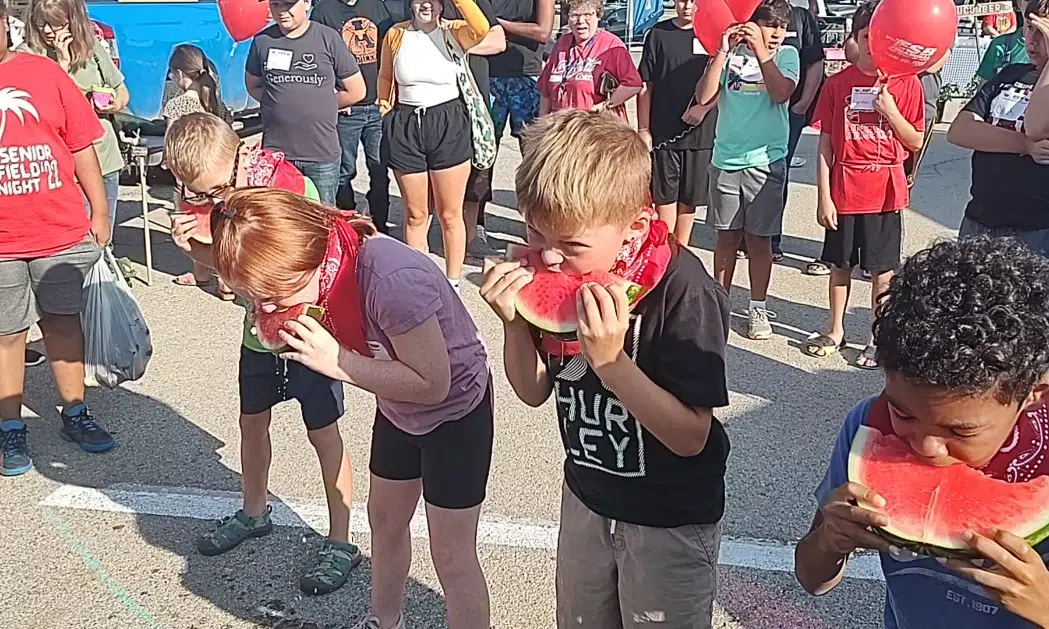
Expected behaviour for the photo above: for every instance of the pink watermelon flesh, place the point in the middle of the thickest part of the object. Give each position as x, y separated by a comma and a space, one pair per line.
267, 325
202, 233
930, 508
549, 301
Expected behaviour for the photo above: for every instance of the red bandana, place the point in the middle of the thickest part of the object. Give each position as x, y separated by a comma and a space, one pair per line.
339, 295
1024, 456
643, 262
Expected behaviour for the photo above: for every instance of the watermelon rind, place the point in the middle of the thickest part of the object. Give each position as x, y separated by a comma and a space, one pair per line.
312, 311
946, 548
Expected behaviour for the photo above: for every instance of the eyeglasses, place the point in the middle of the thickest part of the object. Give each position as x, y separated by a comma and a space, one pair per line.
582, 16
215, 195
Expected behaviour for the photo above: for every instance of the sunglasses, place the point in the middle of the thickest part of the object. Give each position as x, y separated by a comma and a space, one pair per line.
215, 196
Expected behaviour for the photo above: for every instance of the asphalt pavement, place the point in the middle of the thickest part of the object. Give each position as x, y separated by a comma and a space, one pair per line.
108, 541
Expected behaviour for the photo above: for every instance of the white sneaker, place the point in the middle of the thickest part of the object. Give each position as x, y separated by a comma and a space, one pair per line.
371, 622
758, 326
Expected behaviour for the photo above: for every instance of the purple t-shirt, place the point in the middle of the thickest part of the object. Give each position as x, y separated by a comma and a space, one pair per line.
400, 289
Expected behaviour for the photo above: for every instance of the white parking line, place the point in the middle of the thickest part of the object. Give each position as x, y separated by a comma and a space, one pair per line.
494, 529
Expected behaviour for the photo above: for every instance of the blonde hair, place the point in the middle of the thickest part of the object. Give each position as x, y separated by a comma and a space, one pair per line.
198, 143
581, 169
266, 241
191, 61
54, 12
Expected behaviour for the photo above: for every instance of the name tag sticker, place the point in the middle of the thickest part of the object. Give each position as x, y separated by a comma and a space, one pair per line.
697, 48
863, 98
556, 78
278, 59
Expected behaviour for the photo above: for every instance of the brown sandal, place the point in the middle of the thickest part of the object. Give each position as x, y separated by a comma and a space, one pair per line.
188, 279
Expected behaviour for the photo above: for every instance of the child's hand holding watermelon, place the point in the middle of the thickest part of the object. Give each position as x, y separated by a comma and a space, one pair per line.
1019, 579
604, 317
846, 526
502, 282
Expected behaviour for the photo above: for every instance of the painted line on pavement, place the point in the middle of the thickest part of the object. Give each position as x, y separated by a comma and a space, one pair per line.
494, 529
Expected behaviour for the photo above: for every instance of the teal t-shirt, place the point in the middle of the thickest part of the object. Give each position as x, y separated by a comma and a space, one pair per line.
752, 130
249, 340
1004, 50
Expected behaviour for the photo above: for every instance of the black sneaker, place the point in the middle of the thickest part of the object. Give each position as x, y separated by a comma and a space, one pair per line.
34, 358
80, 427
14, 455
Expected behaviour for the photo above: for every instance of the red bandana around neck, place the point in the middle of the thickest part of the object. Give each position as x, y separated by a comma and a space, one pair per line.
641, 261
1024, 456
339, 294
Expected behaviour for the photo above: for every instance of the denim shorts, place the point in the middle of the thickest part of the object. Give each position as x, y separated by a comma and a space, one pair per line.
267, 380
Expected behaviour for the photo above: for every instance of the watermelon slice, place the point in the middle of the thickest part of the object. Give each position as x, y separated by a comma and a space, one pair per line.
930, 508
268, 324
202, 213
549, 301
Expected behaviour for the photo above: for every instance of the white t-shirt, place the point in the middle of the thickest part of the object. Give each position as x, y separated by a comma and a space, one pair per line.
425, 75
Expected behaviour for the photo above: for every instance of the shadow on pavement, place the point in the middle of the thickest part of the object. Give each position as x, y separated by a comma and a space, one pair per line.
158, 448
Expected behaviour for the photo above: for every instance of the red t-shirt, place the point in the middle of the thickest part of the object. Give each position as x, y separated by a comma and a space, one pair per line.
573, 73
867, 176
44, 119
1001, 22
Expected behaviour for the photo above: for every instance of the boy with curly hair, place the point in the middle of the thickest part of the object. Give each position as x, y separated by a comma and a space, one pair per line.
964, 341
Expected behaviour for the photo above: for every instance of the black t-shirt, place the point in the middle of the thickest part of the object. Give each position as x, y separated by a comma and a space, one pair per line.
300, 77
616, 467
523, 56
478, 63
1008, 190
804, 34
672, 62
363, 25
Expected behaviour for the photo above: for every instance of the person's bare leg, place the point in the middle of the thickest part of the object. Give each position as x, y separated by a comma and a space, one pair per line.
12, 374
668, 214
255, 455
391, 505
338, 480
759, 253
415, 190
453, 547
449, 188
202, 274
839, 293
879, 285
682, 229
64, 340
725, 256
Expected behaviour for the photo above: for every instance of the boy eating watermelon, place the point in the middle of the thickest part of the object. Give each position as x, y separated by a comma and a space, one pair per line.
963, 338
644, 489
205, 154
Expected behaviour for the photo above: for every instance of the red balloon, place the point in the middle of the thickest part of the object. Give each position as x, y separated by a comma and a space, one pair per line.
244, 18
712, 17
909, 36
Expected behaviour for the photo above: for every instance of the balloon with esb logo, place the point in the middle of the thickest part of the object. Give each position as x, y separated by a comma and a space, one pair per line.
714, 16
909, 36
244, 18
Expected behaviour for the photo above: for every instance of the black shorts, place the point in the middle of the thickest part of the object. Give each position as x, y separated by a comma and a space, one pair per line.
267, 380
453, 460
873, 241
418, 139
681, 177
479, 186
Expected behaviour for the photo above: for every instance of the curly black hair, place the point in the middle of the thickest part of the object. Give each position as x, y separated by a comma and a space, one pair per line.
971, 316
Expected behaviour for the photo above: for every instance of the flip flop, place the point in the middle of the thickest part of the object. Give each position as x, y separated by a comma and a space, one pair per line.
822, 346
188, 279
867, 358
817, 269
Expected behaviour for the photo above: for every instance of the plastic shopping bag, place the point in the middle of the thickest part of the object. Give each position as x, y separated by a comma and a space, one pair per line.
117, 346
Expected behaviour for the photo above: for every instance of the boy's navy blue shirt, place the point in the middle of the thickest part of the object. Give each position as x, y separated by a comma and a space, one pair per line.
921, 593
616, 467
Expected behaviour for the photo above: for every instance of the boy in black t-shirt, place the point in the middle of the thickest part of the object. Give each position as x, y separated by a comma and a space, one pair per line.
677, 129
644, 488
1009, 170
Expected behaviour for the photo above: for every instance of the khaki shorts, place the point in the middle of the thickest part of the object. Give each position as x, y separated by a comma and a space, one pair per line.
613, 575
53, 285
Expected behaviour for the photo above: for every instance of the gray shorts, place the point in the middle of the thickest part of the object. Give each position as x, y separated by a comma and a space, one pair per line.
52, 285
750, 200
613, 575
1037, 240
